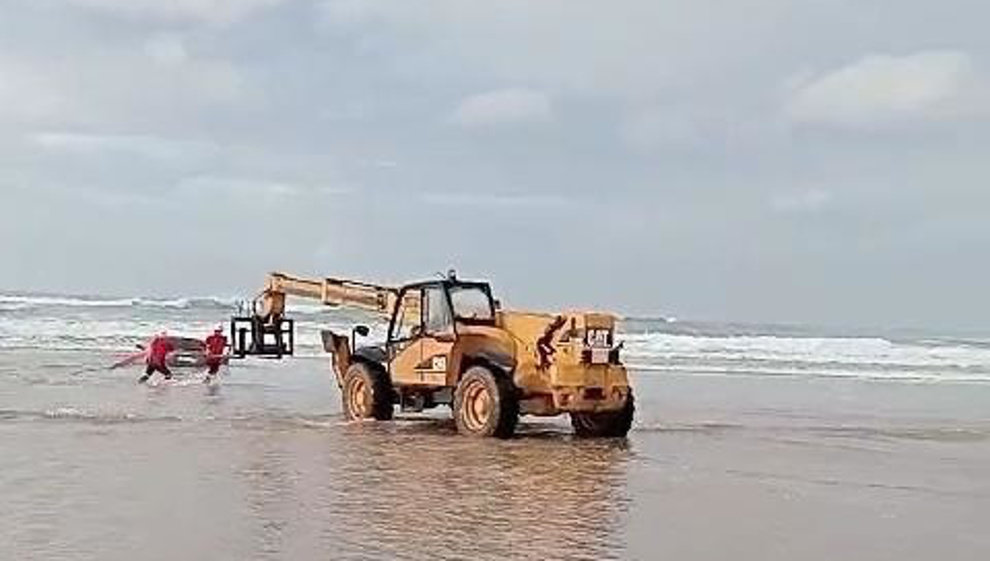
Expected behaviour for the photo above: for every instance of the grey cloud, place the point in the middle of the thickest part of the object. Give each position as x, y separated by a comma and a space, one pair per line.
215, 11
155, 148
533, 203
507, 106
113, 89
811, 200
884, 89
753, 160
167, 49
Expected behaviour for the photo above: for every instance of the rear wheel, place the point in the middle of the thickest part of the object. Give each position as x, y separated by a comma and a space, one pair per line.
485, 404
606, 423
366, 393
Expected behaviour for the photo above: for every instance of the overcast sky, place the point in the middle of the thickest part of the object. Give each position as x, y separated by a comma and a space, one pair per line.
821, 161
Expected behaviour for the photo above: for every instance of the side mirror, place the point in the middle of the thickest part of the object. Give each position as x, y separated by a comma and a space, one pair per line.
361, 330
498, 304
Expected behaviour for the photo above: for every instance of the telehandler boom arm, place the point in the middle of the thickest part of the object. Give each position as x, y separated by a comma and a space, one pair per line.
270, 303
267, 332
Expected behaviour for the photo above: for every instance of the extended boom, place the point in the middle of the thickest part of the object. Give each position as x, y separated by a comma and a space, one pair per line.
270, 304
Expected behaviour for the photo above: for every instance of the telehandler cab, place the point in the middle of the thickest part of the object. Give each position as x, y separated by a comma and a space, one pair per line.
448, 343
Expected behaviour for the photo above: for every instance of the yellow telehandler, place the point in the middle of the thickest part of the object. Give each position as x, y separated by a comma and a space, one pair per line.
450, 343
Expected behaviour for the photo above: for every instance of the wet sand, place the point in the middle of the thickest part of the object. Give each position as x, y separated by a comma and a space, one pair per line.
95, 467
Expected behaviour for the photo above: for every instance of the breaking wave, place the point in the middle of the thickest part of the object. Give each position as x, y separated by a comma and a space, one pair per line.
72, 414
117, 325
17, 303
847, 357
810, 350
77, 415
229, 305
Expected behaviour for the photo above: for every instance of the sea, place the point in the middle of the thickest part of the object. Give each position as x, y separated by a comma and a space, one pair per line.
750, 442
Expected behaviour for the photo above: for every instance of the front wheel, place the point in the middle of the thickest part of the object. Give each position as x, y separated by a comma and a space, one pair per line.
607, 423
485, 404
366, 393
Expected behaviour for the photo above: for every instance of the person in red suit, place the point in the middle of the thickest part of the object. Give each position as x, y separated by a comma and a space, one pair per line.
216, 346
157, 357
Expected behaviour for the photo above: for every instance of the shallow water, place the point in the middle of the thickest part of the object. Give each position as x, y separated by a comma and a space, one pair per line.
105, 324
94, 466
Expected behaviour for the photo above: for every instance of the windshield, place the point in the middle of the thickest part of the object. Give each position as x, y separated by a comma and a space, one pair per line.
471, 303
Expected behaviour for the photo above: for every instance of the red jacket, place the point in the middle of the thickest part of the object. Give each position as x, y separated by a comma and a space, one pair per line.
216, 344
159, 349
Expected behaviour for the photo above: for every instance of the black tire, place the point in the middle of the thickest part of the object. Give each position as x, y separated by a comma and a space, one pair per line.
607, 424
485, 404
366, 393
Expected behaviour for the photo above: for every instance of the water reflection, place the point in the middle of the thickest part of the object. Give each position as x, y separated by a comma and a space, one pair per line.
414, 490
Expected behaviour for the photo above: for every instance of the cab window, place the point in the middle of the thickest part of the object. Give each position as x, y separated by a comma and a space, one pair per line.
471, 303
407, 319
437, 312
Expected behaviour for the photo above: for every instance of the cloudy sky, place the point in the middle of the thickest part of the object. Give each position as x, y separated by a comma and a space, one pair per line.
821, 161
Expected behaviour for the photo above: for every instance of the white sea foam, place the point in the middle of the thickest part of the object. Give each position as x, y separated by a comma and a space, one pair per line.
858, 373
810, 350
56, 332
18, 302
37, 301
117, 325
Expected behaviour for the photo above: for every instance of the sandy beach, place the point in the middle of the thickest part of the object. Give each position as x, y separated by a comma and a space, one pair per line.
96, 467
